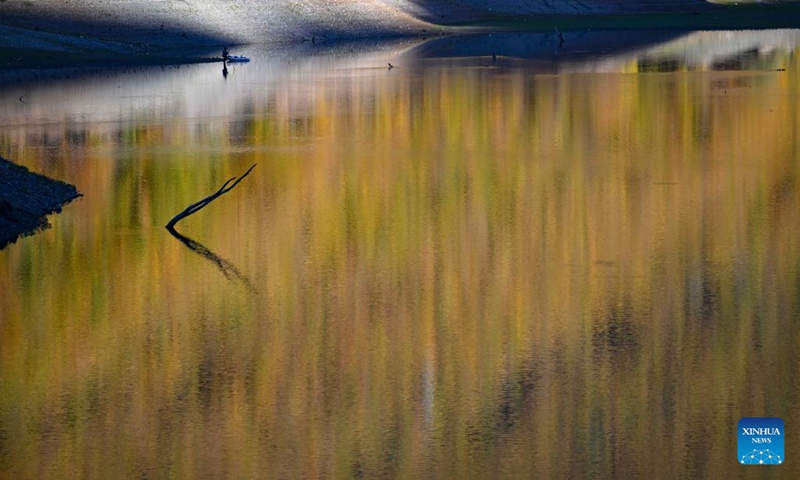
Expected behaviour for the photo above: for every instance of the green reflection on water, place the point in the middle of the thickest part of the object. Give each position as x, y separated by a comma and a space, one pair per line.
457, 272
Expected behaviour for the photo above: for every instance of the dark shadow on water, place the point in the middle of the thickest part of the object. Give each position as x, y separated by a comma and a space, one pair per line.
655, 50
451, 12
576, 47
129, 31
226, 267
53, 36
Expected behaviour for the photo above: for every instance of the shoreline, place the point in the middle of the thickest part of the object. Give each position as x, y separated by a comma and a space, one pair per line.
26, 199
720, 17
23, 47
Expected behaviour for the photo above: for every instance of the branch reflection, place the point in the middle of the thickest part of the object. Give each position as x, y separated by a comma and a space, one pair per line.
226, 267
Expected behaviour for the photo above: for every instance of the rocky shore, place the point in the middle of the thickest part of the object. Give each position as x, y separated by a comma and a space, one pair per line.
26, 198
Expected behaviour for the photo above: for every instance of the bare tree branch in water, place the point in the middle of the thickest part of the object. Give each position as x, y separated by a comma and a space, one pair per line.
227, 268
195, 207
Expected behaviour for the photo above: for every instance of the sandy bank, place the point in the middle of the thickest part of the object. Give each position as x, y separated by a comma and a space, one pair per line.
115, 28
57, 33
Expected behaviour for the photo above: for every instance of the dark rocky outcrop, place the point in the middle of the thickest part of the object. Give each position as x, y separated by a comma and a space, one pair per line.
26, 198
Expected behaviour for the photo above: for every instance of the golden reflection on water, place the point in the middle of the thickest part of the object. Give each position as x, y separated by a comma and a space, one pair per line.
458, 273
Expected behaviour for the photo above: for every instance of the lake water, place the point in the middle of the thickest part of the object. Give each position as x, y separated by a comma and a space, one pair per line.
556, 263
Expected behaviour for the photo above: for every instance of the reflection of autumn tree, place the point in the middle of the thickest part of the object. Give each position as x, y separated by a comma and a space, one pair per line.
513, 272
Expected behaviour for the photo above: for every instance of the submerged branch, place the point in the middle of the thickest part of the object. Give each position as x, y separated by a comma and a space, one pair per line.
197, 206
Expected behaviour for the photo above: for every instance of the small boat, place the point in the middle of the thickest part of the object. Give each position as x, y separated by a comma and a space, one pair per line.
237, 59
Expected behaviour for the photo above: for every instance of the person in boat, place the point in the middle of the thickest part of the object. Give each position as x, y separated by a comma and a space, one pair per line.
225, 54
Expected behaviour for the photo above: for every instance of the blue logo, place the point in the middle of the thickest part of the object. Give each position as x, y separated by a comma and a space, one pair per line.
761, 441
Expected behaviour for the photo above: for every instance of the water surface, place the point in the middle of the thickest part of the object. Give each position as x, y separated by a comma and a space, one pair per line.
562, 264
